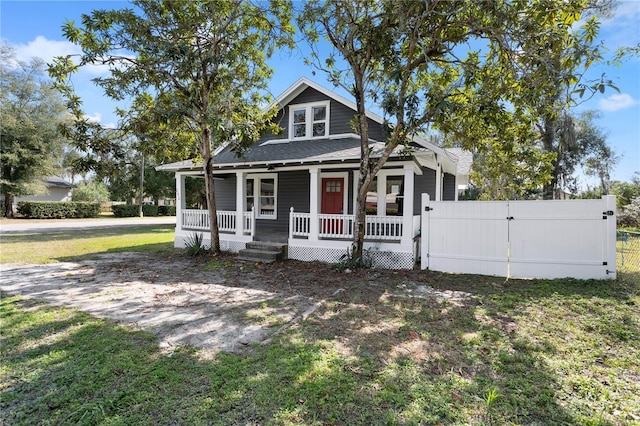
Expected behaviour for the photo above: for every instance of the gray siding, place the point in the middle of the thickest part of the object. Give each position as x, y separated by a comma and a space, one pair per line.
293, 191
449, 187
425, 183
339, 117
226, 193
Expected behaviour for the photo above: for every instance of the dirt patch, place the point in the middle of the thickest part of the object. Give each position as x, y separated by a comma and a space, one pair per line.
215, 304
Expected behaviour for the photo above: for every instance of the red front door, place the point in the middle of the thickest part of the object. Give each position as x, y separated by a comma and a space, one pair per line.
332, 203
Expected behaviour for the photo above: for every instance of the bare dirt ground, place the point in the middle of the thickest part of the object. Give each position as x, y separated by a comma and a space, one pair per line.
215, 304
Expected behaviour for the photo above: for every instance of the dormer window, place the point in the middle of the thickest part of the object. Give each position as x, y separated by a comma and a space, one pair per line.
309, 120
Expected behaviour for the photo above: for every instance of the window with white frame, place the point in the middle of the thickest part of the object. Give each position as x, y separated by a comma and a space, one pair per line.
261, 193
309, 120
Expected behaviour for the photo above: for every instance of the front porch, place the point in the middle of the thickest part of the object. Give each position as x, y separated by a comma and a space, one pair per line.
390, 241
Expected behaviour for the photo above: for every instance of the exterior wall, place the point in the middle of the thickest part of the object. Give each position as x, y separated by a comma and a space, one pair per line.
423, 184
226, 193
54, 194
449, 187
339, 117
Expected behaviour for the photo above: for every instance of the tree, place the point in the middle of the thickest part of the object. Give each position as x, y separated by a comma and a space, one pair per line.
92, 191
31, 111
559, 71
202, 63
409, 58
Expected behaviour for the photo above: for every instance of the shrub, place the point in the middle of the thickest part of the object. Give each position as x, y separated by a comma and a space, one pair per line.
167, 210
57, 209
149, 210
133, 210
125, 210
629, 216
194, 246
90, 191
86, 209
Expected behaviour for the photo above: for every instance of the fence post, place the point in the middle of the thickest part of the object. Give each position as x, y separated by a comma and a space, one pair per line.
424, 231
609, 206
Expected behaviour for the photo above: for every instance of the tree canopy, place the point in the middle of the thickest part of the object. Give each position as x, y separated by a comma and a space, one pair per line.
31, 111
472, 69
199, 66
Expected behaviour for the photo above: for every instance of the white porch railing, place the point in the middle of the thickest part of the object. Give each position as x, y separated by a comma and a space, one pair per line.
198, 220
341, 226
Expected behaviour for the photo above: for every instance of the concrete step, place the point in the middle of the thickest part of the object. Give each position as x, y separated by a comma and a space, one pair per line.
263, 252
254, 255
266, 246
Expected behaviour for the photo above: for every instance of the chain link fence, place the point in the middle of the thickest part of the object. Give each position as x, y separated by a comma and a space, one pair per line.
628, 252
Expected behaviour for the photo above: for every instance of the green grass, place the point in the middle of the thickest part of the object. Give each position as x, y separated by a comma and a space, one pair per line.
532, 352
57, 246
518, 352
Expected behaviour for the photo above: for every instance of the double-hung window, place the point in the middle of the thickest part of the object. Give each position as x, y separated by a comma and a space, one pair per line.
261, 193
309, 120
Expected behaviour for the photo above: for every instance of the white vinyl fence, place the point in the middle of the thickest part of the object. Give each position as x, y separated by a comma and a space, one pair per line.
521, 239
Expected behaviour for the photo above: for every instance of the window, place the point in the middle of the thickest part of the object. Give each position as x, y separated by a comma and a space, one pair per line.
261, 194
394, 195
309, 120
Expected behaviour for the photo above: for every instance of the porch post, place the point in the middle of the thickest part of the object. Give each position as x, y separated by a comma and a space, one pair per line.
240, 201
180, 199
407, 207
314, 203
381, 206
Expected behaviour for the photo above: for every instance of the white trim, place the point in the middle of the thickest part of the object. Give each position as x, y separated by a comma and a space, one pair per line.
329, 137
308, 108
257, 177
345, 188
299, 86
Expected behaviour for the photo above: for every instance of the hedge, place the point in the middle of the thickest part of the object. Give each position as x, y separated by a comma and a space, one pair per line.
58, 209
167, 210
132, 210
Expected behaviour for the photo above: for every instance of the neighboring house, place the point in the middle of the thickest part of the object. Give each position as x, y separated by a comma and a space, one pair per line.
300, 187
57, 190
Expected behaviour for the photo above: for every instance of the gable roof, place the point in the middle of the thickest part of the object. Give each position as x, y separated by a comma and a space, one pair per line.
333, 148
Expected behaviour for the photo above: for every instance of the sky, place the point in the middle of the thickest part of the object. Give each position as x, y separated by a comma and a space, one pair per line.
33, 28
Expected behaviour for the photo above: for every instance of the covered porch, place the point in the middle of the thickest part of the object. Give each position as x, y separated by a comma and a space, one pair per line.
265, 201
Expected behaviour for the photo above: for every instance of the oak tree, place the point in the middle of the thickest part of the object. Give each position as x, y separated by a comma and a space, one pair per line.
203, 62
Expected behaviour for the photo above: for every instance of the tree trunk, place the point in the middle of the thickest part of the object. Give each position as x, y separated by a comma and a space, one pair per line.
364, 178
8, 206
207, 164
548, 136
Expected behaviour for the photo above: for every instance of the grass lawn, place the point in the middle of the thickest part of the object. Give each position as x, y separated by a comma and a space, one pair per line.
46, 247
499, 352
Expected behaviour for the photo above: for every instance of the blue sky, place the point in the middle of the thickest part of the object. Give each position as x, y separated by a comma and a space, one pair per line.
33, 28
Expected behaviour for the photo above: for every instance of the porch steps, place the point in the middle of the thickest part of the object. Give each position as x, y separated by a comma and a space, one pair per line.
263, 252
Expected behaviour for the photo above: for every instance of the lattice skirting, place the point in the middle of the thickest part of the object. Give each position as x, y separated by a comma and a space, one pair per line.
380, 259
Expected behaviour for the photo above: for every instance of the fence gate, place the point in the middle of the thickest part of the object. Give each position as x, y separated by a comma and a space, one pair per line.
523, 239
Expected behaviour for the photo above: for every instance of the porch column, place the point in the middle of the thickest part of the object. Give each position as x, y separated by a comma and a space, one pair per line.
180, 199
407, 207
438, 194
240, 202
382, 196
314, 203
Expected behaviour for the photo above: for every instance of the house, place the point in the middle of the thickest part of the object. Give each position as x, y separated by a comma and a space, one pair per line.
300, 187
56, 189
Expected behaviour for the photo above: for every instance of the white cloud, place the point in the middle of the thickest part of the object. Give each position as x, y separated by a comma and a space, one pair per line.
617, 102
46, 49
97, 118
